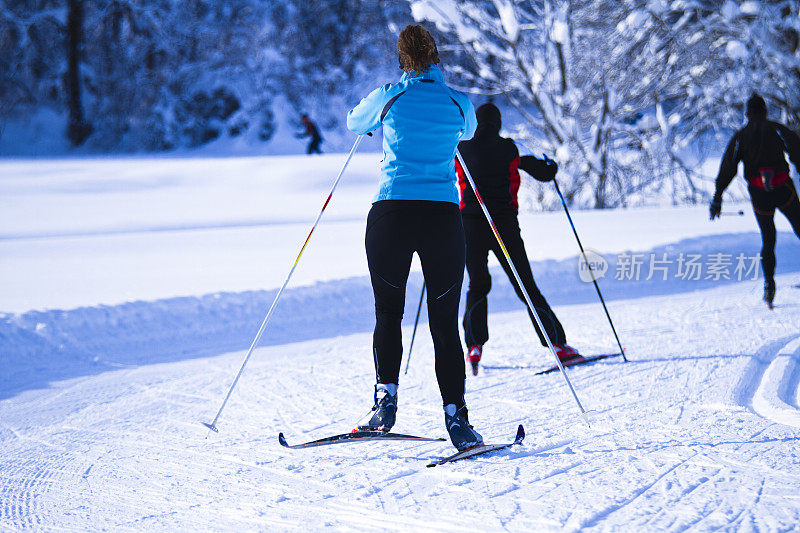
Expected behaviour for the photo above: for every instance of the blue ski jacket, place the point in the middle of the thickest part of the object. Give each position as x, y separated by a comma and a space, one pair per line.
423, 121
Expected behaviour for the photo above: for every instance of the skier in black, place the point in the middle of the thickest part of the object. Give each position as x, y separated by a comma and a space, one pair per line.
761, 144
311, 131
493, 162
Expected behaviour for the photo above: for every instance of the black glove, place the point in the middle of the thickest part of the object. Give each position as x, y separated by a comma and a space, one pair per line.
715, 208
541, 169
551, 168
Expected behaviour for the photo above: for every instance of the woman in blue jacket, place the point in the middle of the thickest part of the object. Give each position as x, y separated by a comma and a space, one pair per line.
417, 210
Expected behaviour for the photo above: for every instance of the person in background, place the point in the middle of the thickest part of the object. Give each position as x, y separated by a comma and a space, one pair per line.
311, 130
494, 162
416, 210
761, 144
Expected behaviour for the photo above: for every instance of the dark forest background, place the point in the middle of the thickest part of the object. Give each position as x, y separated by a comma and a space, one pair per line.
159, 74
632, 97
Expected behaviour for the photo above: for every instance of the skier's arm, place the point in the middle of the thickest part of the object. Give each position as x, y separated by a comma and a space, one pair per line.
538, 168
727, 167
470, 121
366, 116
791, 143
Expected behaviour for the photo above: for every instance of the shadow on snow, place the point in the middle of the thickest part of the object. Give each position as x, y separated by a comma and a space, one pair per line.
39, 347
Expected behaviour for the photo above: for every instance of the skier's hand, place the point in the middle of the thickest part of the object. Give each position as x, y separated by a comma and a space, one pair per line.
541, 169
550, 170
715, 208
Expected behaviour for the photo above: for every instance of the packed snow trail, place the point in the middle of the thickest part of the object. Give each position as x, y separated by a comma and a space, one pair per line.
128, 285
677, 442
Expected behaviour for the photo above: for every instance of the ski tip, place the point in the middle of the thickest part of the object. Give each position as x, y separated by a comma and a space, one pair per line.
520, 434
282, 440
212, 427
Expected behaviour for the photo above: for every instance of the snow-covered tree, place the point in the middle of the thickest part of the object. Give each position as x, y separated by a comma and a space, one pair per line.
32, 59
158, 74
336, 51
619, 90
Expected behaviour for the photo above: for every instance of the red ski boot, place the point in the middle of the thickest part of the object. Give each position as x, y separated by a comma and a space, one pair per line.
474, 357
567, 354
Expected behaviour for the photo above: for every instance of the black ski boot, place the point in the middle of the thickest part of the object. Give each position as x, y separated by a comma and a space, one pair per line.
383, 413
461, 433
769, 292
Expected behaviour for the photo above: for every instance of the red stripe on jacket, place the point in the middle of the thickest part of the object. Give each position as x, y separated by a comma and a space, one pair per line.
462, 181
513, 181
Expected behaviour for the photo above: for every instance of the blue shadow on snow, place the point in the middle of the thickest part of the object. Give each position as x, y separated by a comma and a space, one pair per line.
39, 347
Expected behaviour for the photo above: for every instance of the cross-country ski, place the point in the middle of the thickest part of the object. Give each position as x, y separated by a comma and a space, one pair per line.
432, 221
480, 449
356, 436
580, 360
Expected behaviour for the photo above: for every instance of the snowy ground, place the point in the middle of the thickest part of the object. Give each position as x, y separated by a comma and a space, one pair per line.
130, 287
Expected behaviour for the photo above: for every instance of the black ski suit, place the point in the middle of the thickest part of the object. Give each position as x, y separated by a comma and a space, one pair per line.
493, 162
316, 139
761, 144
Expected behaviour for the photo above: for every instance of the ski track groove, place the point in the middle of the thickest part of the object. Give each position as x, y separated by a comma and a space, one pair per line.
749, 509
778, 373
23, 507
790, 392
638, 492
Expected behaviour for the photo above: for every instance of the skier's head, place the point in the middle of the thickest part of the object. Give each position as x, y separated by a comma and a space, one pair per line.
417, 49
489, 116
756, 107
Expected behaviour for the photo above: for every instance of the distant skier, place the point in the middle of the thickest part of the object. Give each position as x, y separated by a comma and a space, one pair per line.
416, 210
761, 144
311, 131
493, 162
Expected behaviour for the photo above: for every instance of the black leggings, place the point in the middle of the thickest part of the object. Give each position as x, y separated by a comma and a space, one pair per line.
481, 239
395, 230
313, 146
783, 198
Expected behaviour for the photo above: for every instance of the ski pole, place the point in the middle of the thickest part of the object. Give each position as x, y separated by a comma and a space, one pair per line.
591, 270
732, 214
414, 333
213, 425
524, 291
